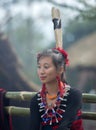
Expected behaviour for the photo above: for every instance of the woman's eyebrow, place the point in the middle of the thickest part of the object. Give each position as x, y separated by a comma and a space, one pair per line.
44, 63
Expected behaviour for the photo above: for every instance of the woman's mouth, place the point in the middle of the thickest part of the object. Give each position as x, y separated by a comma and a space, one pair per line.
43, 78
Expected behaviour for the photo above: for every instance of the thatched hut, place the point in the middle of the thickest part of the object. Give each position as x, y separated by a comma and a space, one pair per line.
12, 79
83, 52
82, 58
83, 61
11, 76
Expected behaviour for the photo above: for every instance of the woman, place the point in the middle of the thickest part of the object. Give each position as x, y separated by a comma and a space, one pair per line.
56, 106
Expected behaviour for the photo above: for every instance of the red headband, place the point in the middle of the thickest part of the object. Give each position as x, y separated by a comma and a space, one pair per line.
64, 53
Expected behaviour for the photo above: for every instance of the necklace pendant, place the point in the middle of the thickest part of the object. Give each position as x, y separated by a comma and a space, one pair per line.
40, 103
39, 99
63, 105
53, 111
59, 114
51, 121
62, 110
54, 105
61, 98
42, 106
40, 110
46, 111
67, 93
39, 95
43, 115
56, 119
50, 105
65, 99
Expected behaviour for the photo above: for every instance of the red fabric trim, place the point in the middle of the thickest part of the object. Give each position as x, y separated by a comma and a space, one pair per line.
10, 123
77, 124
79, 113
6, 121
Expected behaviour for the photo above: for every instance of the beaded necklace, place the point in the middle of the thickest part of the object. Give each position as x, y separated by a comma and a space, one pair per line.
51, 97
53, 114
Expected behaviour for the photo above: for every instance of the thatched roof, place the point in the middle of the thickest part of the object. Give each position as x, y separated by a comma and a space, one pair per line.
83, 52
11, 76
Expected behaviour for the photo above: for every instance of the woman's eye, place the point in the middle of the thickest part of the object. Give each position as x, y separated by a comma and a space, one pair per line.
38, 66
46, 67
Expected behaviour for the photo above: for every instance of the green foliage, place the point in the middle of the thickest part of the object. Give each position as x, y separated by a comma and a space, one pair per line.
87, 10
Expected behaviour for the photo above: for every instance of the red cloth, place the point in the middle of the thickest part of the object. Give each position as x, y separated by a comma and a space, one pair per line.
77, 124
5, 119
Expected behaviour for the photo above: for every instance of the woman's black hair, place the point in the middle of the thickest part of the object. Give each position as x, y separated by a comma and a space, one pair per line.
57, 58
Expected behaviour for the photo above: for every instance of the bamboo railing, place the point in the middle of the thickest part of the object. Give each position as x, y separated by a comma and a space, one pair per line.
26, 96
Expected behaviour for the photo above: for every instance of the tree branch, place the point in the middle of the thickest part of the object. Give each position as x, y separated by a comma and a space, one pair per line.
65, 6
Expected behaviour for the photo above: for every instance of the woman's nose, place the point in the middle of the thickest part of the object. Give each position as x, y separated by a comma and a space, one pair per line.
42, 71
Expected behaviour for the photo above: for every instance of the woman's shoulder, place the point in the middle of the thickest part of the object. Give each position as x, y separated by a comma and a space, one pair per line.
33, 100
75, 92
34, 97
75, 95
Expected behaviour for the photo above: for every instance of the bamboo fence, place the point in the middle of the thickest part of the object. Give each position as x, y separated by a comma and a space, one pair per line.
26, 96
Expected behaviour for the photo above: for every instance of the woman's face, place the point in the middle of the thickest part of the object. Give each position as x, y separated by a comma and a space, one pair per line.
47, 72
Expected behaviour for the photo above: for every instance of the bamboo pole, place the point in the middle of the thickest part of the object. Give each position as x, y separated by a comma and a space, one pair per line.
17, 111
89, 98
57, 27
21, 111
26, 95
89, 115
21, 95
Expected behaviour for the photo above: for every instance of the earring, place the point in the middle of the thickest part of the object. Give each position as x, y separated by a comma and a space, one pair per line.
60, 85
58, 80
43, 89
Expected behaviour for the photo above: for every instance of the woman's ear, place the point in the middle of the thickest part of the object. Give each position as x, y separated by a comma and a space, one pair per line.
60, 70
